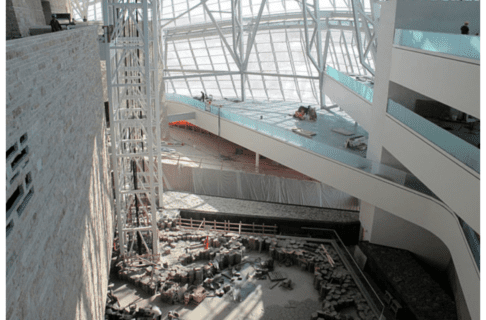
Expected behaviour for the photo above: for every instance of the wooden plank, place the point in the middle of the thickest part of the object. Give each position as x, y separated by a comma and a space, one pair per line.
273, 286
302, 132
200, 225
342, 131
277, 276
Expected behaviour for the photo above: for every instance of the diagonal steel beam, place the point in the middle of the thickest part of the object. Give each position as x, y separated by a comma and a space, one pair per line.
185, 12
371, 47
251, 37
292, 64
313, 37
306, 31
212, 65
223, 38
347, 50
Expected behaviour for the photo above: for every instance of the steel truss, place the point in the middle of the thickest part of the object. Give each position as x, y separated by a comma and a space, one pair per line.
133, 79
317, 25
237, 52
320, 58
367, 44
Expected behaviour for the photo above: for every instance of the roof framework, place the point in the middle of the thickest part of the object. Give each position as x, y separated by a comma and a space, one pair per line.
283, 56
263, 49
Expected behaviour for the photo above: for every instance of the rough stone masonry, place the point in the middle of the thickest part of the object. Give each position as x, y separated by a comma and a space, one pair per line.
61, 224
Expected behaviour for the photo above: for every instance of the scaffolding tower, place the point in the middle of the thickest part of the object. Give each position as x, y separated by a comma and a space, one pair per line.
132, 69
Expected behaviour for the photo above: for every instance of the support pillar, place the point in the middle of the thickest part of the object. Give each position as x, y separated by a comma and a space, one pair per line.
257, 162
243, 80
322, 95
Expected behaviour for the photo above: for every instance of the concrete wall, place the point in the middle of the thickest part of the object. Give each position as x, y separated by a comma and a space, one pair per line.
452, 181
410, 237
438, 16
59, 248
388, 159
439, 77
461, 306
353, 104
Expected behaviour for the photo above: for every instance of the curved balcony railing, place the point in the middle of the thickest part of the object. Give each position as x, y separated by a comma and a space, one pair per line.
460, 45
453, 145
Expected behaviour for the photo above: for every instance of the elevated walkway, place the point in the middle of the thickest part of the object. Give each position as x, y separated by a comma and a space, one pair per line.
446, 157
376, 184
450, 179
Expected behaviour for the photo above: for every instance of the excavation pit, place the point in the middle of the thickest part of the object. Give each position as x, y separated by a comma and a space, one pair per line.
218, 275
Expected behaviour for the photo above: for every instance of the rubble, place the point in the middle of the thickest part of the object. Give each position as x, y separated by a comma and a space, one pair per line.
195, 265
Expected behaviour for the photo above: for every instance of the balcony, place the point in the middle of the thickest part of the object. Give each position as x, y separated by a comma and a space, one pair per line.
444, 67
459, 45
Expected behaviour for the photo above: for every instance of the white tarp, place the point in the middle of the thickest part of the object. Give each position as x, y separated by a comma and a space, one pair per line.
257, 187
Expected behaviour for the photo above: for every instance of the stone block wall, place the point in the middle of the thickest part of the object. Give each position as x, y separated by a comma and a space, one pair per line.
25, 14
12, 26
59, 211
60, 6
28, 13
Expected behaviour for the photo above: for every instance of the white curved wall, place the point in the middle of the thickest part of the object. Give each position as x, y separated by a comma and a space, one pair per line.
451, 80
452, 181
356, 106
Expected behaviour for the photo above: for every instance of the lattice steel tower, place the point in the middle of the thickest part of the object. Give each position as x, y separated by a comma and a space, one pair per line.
132, 70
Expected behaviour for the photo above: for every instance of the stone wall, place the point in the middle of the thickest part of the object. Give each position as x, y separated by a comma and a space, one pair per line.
25, 14
60, 6
28, 13
59, 210
12, 27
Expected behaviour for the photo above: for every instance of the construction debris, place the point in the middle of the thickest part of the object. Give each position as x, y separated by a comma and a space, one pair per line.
356, 142
203, 264
302, 132
276, 276
306, 113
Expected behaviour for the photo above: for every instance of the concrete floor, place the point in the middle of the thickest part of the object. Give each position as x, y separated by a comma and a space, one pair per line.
209, 151
279, 114
258, 301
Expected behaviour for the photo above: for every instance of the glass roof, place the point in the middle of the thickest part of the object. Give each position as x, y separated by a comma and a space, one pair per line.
278, 66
